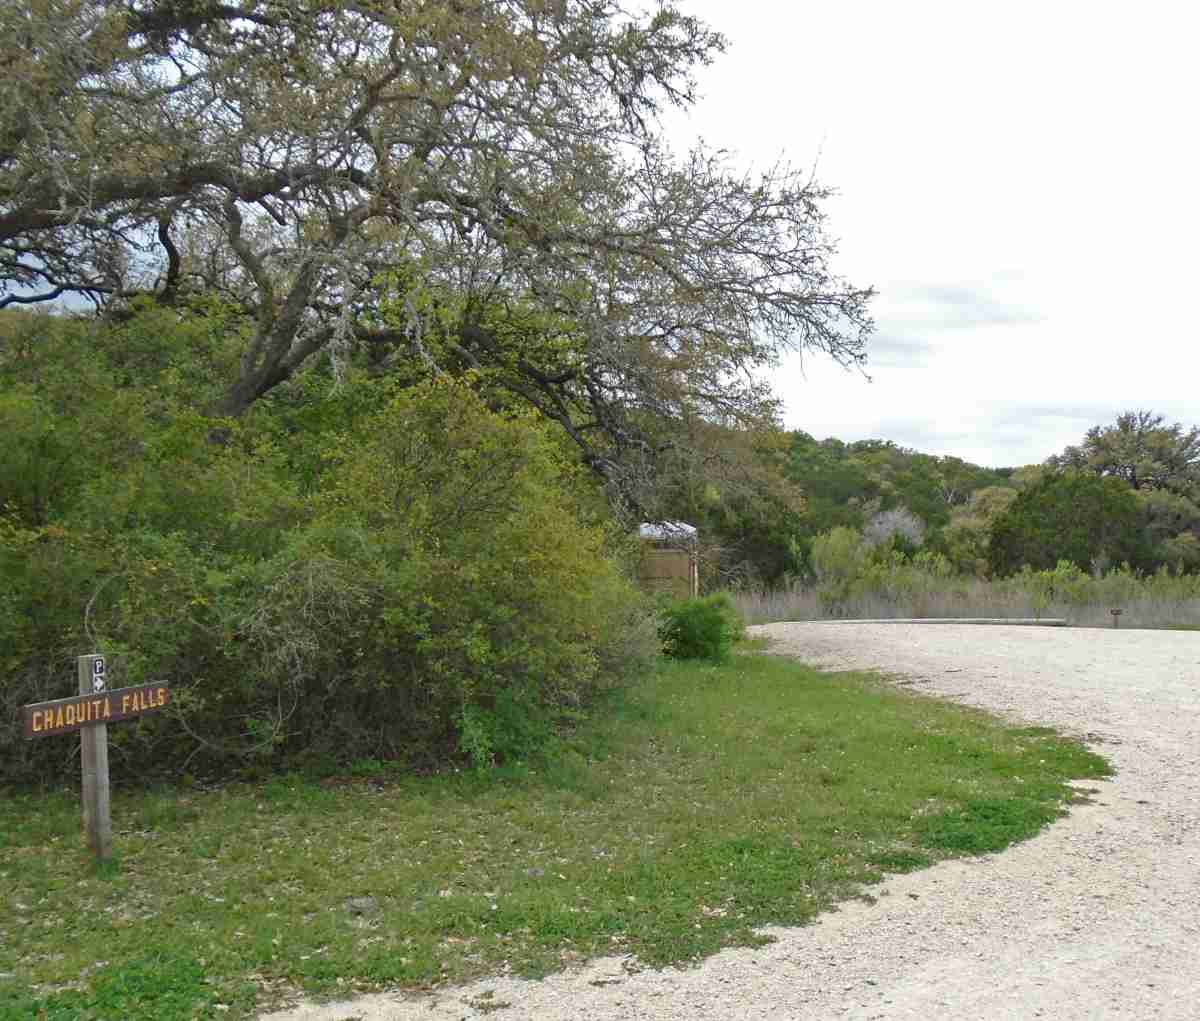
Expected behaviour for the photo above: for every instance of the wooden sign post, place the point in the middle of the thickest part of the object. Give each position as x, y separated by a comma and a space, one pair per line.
90, 713
93, 753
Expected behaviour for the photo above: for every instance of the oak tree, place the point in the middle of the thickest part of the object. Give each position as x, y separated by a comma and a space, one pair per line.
446, 184
1069, 515
1142, 450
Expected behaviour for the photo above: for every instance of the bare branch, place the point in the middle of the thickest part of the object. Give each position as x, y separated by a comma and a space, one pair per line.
492, 166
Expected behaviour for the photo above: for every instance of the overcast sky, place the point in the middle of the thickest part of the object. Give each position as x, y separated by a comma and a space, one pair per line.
1019, 181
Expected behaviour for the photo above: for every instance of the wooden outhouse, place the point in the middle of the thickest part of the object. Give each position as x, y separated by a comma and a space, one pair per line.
668, 561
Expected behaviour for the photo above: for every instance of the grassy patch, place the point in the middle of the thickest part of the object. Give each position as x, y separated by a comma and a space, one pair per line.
716, 800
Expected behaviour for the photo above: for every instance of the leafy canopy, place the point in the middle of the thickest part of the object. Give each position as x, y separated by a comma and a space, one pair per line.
434, 185
386, 571
1073, 516
1142, 450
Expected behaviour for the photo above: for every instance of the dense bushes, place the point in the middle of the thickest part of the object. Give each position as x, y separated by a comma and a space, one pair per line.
447, 572
439, 580
704, 628
883, 584
1086, 519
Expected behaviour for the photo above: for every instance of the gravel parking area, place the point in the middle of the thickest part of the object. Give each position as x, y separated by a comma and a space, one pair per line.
1098, 917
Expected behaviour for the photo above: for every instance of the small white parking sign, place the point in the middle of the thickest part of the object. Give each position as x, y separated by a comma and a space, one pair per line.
98, 683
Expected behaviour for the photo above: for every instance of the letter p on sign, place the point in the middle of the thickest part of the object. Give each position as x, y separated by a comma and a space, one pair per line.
98, 682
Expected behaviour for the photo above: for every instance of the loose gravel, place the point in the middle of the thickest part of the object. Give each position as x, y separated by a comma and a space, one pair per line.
1098, 917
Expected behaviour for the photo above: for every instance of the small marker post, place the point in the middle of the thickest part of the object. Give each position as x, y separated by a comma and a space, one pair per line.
90, 712
97, 808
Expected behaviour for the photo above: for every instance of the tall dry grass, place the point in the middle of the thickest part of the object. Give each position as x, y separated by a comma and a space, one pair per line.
1157, 601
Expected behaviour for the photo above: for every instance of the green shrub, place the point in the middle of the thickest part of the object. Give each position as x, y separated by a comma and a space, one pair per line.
445, 588
1071, 515
704, 628
466, 584
839, 558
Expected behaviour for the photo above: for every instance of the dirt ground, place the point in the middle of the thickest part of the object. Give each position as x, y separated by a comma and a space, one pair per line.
1096, 918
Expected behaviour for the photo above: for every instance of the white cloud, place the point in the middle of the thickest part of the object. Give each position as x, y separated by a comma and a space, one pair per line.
1017, 180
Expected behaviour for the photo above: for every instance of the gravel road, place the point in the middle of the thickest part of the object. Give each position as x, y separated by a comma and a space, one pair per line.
1098, 917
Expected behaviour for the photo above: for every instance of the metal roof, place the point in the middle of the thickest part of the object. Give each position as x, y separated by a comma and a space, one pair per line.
666, 530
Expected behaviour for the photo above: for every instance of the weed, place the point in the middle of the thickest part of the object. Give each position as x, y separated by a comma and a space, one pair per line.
1158, 601
710, 802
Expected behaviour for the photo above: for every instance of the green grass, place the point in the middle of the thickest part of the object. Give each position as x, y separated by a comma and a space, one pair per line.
715, 800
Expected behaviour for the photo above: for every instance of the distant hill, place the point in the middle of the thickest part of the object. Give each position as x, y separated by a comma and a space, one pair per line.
846, 483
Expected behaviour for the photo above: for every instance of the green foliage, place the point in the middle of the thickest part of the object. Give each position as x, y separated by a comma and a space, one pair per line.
1075, 516
1171, 524
395, 575
925, 585
1065, 585
850, 485
1141, 450
710, 801
982, 825
704, 628
849, 569
964, 541
858, 485
452, 537
839, 557
1160, 463
143, 989
730, 483
515, 729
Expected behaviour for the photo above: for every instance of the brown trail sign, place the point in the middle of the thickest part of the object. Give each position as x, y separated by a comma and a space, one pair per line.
64, 715
90, 712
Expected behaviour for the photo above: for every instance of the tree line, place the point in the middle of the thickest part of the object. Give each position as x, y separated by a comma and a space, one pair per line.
1128, 493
